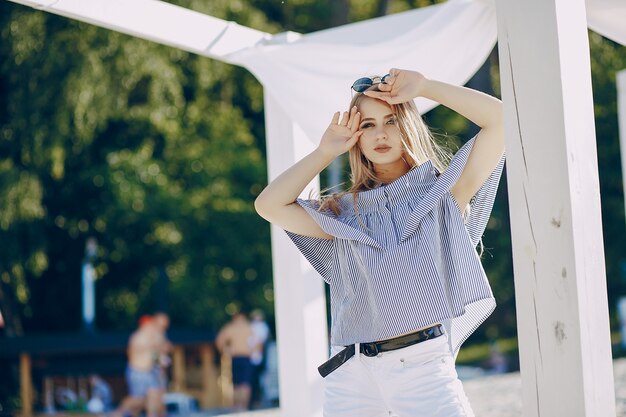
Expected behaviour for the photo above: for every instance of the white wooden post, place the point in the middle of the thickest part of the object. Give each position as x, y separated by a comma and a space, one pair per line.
299, 298
552, 169
621, 120
620, 81
160, 22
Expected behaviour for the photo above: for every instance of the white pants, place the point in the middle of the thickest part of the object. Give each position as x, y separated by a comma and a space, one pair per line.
415, 381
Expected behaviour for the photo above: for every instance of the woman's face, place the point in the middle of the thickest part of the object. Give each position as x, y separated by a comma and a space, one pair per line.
381, 141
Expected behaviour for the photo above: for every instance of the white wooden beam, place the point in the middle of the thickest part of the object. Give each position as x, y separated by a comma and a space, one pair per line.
300, 300
159, 22
552, 169
621, 121
608, 18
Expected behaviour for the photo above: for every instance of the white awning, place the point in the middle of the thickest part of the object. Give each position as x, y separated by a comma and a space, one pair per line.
310, 75
608, 18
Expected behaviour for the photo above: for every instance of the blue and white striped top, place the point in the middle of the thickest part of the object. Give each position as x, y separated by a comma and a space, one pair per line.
405, 257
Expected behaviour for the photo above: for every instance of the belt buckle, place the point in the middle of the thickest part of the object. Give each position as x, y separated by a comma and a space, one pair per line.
370, 349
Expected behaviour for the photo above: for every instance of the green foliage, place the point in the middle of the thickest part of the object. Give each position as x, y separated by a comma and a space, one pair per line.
607, 58
148, 149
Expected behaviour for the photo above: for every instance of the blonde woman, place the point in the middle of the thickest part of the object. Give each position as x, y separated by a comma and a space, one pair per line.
398, 248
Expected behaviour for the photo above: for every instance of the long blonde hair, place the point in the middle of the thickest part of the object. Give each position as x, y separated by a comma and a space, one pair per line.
417, 140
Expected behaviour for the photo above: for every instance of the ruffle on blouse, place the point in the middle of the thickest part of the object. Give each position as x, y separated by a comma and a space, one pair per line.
419, 191
444, 184
330, 223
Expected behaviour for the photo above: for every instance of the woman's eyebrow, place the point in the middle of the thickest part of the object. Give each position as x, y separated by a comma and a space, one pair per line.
371, 118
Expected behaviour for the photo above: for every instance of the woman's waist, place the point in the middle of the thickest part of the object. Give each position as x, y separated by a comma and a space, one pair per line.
430, 326
376, 332
399, 342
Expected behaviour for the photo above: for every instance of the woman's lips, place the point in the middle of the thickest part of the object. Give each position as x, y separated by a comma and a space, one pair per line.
382, 149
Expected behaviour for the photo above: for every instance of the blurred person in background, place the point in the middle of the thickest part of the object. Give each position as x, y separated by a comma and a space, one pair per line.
261, 332
101, 396
163, 360
147, 347
236, 338
497, 362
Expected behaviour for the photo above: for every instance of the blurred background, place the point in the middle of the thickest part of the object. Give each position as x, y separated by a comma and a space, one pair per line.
134, 166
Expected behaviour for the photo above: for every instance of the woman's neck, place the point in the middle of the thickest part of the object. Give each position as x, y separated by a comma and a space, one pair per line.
387, 173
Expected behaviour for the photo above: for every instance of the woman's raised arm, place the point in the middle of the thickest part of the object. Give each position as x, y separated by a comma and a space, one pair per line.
277, 202
482, 109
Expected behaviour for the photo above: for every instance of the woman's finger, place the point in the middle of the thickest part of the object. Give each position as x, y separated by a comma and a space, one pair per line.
380, 95
352, 113
335, 119
344, 119
353, 139
373, 94
396, 100
354, 122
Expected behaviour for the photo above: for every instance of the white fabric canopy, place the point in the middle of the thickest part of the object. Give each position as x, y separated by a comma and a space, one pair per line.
160, 22
608, 18
312, 75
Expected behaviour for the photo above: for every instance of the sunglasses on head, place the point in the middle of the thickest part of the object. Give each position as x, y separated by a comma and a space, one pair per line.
364, 83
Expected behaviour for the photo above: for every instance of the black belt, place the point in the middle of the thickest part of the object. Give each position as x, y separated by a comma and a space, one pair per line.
374, 348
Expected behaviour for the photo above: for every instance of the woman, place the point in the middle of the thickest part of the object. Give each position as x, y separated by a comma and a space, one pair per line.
398, 249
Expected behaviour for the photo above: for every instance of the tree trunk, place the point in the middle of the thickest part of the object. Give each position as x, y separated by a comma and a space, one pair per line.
382, 8
341, 9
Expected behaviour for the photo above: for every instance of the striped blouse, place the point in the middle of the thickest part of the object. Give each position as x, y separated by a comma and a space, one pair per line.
403, 257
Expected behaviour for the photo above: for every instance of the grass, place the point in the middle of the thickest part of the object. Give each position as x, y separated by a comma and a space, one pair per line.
478, 353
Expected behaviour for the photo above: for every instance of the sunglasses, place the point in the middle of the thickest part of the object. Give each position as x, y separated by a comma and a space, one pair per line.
364, 83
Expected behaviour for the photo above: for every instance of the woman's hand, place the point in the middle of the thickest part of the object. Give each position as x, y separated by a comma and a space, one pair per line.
400, 87
341, 135
277, 203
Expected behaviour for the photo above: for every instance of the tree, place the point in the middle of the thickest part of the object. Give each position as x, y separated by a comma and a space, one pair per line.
147, 148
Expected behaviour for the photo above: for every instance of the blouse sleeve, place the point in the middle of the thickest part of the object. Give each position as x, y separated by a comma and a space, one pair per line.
481, 204
318, 251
